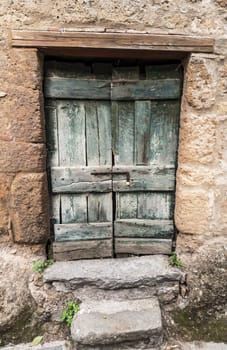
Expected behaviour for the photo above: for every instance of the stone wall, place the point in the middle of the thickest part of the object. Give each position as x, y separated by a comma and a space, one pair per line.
201, 200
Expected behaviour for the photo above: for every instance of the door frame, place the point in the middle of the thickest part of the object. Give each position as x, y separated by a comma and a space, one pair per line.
148, 46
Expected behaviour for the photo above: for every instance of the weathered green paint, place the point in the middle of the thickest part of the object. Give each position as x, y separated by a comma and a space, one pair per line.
71, 88
146, 90
78, 232
143, 228
113, 130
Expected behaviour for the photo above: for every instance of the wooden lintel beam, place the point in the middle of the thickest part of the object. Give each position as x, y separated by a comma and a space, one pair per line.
113, 41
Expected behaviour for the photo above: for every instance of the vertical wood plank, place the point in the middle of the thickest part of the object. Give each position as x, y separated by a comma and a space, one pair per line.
105, 142
125, 73
142, 132
92, 134
155, 205
52, 136
71, 128
126, 139
115, 131
73, 208
164, 132
55, 211
100, 207
127, 205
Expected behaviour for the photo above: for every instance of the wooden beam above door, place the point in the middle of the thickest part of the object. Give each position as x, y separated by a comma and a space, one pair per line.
52, 40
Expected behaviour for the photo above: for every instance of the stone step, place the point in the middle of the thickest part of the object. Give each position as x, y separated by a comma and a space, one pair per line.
56, 345
114, 325
134, 277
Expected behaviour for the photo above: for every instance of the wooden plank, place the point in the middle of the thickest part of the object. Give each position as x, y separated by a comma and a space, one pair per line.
144, 228
73, 208
83, 249
100, 207
102, 70
80, 179
77, 88
115, 130
164, 132
112, 41
142, 132
78, 232
140, 246
125, 134
146, 90
155, 205
55, 209
164, 71
143, 179
52, 135
67, 69
105, 142
72, 52
71, 129
92, 134
125, 73
126, 205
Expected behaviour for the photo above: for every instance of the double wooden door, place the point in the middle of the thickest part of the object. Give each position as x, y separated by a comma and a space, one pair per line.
112, 148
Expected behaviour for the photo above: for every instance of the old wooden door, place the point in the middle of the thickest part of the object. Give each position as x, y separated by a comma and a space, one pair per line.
112, 146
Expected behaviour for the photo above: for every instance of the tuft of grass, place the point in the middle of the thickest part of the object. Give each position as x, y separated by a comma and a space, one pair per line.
40, 266
175, 261
68, 313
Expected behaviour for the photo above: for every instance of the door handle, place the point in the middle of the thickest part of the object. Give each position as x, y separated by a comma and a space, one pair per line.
114, 172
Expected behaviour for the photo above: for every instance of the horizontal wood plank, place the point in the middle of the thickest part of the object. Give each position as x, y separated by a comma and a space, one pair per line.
146, 90
144, 178
111, 40
143, 228
143, 246
69, 180
78, 232
77, 88
82, 250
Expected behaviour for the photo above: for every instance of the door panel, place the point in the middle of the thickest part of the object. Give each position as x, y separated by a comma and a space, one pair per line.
112, 148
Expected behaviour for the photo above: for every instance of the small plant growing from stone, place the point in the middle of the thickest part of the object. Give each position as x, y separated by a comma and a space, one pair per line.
68, 313
40, 266
175, 261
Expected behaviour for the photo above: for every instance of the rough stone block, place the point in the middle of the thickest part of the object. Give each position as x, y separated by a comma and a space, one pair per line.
197, 138
192, 212
5, 182
199, 345
22, 118
22, 156
26, 68
113, 273
29, 208
194, 176
56, 345
201, 82
114, 323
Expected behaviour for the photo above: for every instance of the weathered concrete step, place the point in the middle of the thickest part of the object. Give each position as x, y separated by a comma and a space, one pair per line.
141, 275
109, 324
57, 345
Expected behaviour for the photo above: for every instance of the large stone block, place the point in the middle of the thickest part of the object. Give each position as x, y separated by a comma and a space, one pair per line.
195, 176
29, 208
21, 156
192, 212
22, 117
26, 68
5, 182
201, 82
197, 138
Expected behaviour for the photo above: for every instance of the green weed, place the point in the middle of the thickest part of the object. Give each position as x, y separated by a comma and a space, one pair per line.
68, 313
175, 261
40, 266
